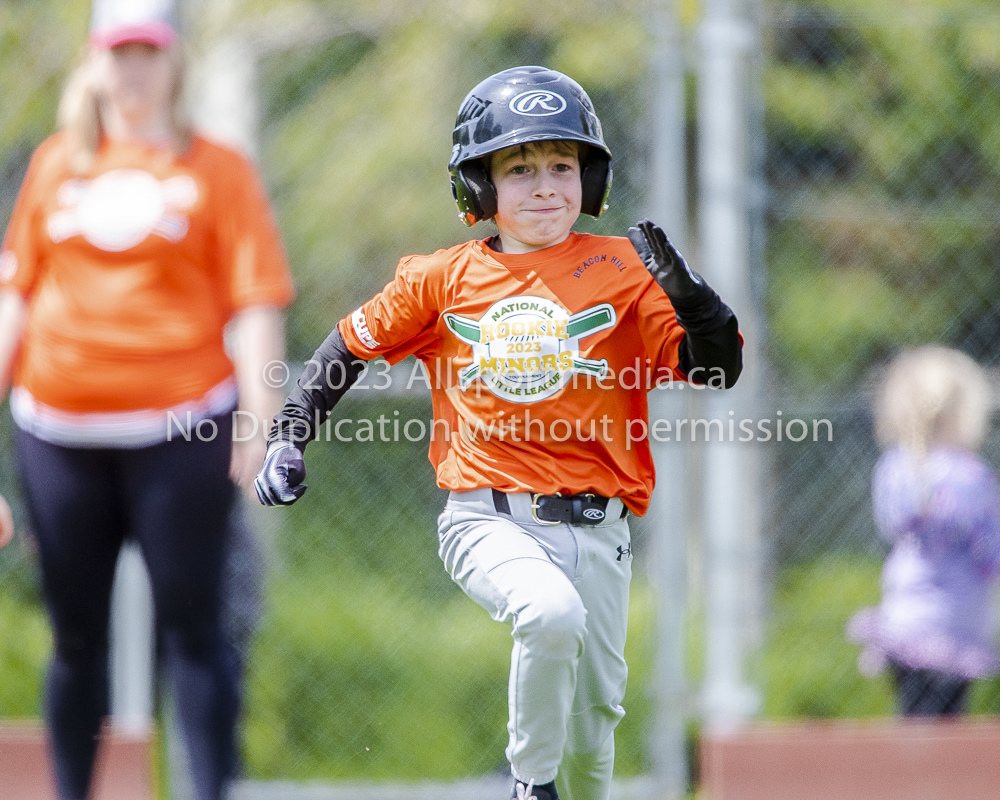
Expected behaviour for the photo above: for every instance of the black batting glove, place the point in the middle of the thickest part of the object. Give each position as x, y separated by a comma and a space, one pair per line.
279, 482
665, 264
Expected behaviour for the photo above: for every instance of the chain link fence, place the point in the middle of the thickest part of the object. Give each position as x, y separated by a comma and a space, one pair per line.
882, 157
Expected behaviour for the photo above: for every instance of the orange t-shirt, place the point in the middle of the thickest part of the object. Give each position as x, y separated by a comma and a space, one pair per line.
538, 363
132, 271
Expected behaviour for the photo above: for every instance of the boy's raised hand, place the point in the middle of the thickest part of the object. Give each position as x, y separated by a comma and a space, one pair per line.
665, 264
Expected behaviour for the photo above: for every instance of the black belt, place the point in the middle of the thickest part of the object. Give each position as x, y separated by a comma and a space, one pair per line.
576, 509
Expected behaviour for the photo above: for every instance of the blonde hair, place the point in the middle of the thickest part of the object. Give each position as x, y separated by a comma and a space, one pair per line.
80, 112
933, 395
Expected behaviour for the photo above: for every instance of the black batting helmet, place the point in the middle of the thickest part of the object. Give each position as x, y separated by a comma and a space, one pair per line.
517, 106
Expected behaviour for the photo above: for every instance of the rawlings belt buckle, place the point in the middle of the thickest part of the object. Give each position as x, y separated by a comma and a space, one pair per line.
576, 509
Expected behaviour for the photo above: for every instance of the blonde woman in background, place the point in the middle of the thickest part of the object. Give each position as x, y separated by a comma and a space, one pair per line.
133, 244
937, 504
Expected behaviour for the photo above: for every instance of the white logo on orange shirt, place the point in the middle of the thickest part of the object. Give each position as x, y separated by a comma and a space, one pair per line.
526, 348
361, 329
119, 209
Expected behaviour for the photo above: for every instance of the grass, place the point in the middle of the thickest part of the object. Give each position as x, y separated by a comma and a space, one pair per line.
355, 676
25, 644
808, 668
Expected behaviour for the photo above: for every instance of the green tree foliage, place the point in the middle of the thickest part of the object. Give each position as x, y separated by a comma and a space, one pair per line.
38, 43
883, 161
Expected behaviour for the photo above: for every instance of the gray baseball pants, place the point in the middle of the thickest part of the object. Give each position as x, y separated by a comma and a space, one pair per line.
565, 590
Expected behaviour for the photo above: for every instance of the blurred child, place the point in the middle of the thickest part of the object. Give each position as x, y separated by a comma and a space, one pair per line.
936, 503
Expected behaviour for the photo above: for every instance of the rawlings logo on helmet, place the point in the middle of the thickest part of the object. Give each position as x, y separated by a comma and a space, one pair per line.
537, 103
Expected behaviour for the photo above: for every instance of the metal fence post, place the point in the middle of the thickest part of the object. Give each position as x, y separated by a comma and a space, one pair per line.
731, 505
131, 655
670, 505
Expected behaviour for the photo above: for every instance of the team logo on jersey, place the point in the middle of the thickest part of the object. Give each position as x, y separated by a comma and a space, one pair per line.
537, 103
119, 209
526, 348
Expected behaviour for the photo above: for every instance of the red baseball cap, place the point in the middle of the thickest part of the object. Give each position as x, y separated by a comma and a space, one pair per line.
114, 22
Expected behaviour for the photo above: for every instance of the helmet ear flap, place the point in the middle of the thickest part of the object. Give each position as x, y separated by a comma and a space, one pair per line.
463, 199
473, 191
483, 195
596, 183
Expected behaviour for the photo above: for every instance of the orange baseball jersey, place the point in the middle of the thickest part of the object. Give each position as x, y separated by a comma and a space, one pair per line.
132, 271
538, 363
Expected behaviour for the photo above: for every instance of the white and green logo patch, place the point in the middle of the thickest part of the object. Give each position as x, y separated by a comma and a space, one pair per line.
526, 348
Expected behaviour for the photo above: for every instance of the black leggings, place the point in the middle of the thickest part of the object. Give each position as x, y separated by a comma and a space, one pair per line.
927, 692
173, 500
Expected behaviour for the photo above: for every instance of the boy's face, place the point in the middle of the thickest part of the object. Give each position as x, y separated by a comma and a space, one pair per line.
538, 194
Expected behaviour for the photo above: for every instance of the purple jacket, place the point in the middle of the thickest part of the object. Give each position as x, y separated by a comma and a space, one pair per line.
942, 518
